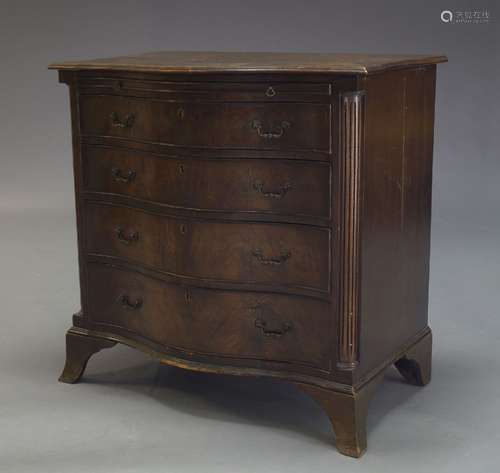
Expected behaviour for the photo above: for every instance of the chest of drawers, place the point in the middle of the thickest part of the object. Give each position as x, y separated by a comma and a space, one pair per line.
257, 214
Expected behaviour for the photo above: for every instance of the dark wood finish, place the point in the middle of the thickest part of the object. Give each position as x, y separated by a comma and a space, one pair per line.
287, 126
396, 211
219, 90
257, 214
347, 413
351, 139
348, 410
227, 323
221, 185
78, 351
273, 254
415, 365
210, 61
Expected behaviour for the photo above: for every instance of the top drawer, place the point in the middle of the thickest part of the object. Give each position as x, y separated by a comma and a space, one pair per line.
208, 125
212, 91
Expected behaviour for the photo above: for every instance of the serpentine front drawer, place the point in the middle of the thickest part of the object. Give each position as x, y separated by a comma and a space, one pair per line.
242, 325
283, 189
248, 253
259, 126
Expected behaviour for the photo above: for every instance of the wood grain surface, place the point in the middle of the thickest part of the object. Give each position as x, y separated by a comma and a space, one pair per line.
191, 61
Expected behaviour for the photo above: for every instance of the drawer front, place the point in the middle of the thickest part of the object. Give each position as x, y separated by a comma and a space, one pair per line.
265, 126
220, 91
226, 323
247, 185
276, 254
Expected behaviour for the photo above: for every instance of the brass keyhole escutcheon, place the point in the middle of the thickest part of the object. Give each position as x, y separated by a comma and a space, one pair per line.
270, 92
180, 113
183, 228
181, 169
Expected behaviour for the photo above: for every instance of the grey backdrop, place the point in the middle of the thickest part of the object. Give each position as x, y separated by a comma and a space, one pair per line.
131, 414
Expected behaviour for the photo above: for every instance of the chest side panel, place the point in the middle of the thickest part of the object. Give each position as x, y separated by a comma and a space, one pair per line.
395, 212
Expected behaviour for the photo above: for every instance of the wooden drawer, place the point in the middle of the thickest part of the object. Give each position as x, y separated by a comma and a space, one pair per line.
226, 323
235, 125
276, 254
246, 185
220, 91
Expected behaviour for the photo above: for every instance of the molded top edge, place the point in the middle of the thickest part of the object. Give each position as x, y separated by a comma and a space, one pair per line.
248, 62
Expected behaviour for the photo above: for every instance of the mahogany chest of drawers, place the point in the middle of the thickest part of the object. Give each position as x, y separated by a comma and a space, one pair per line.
257, 214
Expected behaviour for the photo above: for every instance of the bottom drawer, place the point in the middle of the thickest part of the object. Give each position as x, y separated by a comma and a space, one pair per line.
226, 323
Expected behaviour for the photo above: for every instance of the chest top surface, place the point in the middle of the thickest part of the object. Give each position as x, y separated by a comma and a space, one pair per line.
212, 61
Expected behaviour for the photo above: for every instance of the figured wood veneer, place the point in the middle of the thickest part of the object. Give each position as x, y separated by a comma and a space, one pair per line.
258, 214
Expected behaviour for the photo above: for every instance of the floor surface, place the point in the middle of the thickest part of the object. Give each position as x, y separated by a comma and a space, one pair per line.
130, 414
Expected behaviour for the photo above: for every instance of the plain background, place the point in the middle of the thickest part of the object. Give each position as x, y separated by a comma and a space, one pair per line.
132, 415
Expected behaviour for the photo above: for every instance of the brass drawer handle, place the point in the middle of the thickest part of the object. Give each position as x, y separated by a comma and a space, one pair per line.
278, 194
277, 133
275, 333
132, 237
127, 304
127, 122
118, 175
273, 260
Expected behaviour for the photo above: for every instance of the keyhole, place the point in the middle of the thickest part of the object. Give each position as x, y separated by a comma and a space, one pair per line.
181, 169
183, 229
187, 296
119, 85
180, 113
270, 92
